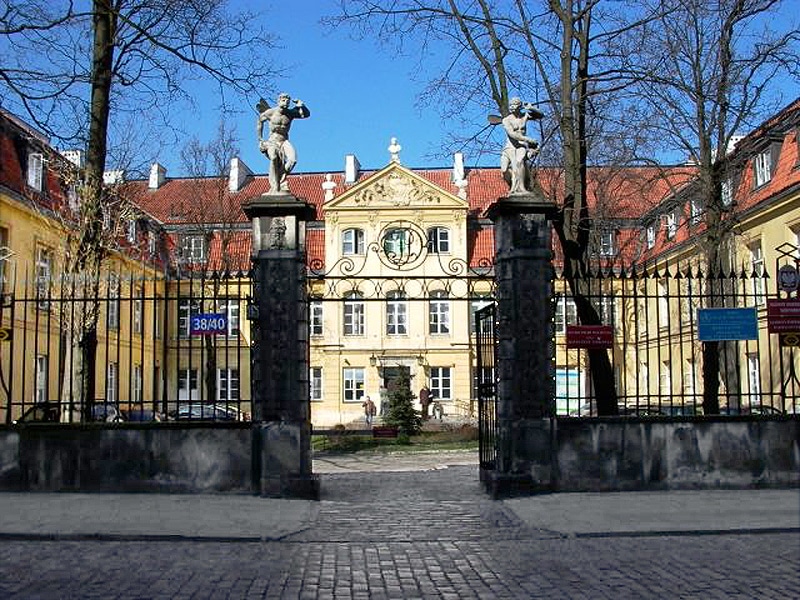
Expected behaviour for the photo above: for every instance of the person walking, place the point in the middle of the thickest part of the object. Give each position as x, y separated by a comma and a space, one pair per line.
369, 411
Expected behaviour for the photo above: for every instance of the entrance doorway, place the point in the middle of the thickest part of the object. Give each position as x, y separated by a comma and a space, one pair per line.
393, 375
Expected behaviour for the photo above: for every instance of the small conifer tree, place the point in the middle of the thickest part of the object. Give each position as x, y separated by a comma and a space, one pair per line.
401, 412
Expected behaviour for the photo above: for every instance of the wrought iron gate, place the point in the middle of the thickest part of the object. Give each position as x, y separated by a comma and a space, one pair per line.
486, 388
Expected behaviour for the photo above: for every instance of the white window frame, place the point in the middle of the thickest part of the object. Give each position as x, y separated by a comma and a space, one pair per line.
232, 311
112, 381
40, 389
315, 322
157, 317
353, 241
762, 167
315, 383
228, 389
441, 382
138, 384
353, 314
754, 378
113, 302
650, 234
672, 224
131, 231
35, 174
151, 243
439, 240
665, 379
607, 309
663, 305
689, 381
695, 211
44, 273
138, 311
188, 389
566, 313
352, 384
396, 313
475, 306
396, 242
757, 269
187, 308
194, 248
439, 314
607, 246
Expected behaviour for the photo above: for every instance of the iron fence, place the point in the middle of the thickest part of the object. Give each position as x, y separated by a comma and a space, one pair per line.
651, 317
163, 348
485, 387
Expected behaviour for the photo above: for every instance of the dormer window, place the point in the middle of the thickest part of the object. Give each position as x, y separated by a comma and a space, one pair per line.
35, 171
762, 165
650, 234
151, 242
672, 224
726, 192
353, 241
438, 240
132, 231
695, 211
193, 247
607, 243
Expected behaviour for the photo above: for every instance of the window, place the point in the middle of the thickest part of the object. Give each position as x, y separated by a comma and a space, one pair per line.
353, 241
663, 305
157, 318
193, 248
44, 268
726, 192
187, 384
112, 377
650, 233
316, 317
228, 385
607, 243
757, 274
606, 309
644, 378
138, 311
353, 379
441, 383
475, 306
137, 384
664, 382
689, 299
315, 376
695, 211
754, 378
566, 313
672, 224
35, 162
186, 310
689, 381
439, 313
40, 392
230, 308
132, 231
438, 240
396, 313
762, 166
113, 302
4, 252
353, 314
151, 243
395, 243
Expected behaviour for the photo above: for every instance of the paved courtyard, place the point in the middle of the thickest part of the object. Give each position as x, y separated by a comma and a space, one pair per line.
426, 532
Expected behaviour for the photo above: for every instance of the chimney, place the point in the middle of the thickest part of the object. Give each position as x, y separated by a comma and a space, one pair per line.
329, 185
351, 168
238, 174
459, 175
113, 177
158, 175
76, 157
734, 139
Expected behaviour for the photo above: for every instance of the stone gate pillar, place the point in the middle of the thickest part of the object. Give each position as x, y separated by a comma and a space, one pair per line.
525, 368
279, 352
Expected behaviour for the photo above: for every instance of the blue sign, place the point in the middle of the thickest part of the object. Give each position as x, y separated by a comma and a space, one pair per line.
719, 324
209, 324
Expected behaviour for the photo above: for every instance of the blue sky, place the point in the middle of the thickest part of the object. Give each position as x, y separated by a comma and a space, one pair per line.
359, 96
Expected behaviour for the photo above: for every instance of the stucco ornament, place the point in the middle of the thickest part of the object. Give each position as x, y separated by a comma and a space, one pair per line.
276, 147
516, 161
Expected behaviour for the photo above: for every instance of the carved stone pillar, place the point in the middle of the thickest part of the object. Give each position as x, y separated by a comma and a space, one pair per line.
278, 315
525, 368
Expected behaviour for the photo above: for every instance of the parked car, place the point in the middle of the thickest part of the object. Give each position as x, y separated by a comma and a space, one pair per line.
643, 410
203, 412
142, 415
762, 410
106, 412
41, 412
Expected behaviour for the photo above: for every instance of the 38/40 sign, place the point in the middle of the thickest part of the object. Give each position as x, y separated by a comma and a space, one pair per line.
209, 324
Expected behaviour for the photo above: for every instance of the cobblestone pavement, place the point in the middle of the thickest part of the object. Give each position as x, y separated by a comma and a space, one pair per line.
425, 534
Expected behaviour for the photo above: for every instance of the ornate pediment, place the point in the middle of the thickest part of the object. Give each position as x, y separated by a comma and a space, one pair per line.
395, 187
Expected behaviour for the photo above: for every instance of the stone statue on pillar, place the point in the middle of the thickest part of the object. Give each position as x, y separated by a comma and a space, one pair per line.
277, 148
516, 161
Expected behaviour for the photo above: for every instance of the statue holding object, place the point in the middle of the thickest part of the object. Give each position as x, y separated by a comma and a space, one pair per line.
277, 148
520, 150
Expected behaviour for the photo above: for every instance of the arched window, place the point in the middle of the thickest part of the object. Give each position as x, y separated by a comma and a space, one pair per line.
439, 313
396, 313
353, 314
353, 241
438, 240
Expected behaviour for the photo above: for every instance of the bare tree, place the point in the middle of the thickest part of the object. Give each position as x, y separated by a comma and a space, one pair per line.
550, 53
707, 72
66, 64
